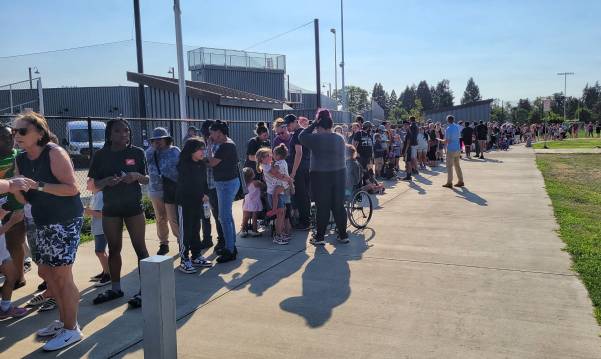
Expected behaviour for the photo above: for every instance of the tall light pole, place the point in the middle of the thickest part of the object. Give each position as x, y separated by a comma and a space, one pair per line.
342, 45
565, 97
333, 31
180, 60
317, 65
141, 97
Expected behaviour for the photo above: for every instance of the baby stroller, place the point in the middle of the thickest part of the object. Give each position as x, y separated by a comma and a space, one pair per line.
503, 144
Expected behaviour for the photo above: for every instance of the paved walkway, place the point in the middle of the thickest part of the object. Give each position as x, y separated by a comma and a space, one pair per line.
472, 273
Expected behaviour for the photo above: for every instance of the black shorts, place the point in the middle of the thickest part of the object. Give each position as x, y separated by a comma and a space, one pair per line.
122, 211
467, 142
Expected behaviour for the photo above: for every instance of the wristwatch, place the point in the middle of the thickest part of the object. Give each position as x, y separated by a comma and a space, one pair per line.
41, 186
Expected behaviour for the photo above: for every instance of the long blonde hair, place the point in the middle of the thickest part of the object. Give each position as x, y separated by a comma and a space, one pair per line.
261, 154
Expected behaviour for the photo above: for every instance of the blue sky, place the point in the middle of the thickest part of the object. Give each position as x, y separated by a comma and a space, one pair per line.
513, 49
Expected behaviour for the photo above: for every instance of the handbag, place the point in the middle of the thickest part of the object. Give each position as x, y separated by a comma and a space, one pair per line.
243, 189
169, 185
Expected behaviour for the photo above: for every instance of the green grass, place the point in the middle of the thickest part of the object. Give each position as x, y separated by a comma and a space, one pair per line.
573, 182
569, 143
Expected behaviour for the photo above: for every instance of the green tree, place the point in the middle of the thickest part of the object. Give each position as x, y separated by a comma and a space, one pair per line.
424, 94
417, 110
471, 93
358, 99
525, 104
407, 98
442, 95
584, 114
379, 96
591, 95
392, 101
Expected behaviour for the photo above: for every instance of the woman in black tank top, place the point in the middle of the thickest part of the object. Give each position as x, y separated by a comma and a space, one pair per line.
58, 214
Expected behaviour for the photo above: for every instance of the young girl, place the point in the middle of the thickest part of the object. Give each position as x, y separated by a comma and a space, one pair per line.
191, 194
277, 181
422, 148
7, 267
252, 203
94, 210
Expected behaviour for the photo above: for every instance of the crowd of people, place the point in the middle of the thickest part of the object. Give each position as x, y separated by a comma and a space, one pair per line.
306, 161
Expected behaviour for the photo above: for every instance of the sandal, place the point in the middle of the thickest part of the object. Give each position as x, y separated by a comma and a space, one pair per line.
37, 300
50, 304
107, 295
135, 301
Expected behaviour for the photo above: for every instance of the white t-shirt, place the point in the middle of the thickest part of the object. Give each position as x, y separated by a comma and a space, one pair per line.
96, 204
27, 211
273, 182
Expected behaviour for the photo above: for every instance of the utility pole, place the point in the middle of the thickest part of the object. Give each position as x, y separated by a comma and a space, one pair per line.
30, 82
141, 97
180, 60
317, 66
342, 45
565, 85
333, 31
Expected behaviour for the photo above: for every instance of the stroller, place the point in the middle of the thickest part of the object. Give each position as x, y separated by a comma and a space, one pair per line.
503, 144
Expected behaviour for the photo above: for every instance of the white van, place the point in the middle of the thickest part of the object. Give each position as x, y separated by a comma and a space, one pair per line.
77, 141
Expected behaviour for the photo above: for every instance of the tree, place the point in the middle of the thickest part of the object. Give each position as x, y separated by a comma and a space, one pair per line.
471, 93
417, 110
424, 95
591, 95
584, 114
525, 104
407, 98
442, 96
392, 101
358, 99
379, 96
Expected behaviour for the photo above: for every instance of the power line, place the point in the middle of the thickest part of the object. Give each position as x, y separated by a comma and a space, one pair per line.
279, 35
67, 49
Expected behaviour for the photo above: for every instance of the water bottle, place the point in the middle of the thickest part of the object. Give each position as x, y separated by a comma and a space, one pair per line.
207, 209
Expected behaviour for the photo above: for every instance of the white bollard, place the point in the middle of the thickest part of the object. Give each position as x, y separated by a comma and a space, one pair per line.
158, 307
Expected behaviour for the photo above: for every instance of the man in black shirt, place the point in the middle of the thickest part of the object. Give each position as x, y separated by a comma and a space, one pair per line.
407, 151
363, 142
414, 131
298, 165
260, 140
481, 134
466, 135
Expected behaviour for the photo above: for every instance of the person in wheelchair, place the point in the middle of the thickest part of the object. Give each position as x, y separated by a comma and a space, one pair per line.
357, 178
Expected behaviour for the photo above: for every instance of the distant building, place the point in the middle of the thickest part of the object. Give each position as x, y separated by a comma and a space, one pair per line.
471, 112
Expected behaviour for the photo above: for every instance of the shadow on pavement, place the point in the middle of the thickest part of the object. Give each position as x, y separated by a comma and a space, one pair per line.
470, 196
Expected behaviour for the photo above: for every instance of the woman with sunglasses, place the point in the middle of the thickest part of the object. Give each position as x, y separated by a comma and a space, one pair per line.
118, 169
282, 135
58, 215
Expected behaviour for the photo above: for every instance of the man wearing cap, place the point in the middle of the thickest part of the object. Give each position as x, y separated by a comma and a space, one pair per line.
162, 158
299, 161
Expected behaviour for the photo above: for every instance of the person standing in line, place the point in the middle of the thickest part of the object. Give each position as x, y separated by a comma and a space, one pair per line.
281, 134
364, 143
13, 222
300, 159
414, 131
51, 182
227, 183
192, 132
407, 151
259, 141
328, 175
481, 136
119, 170
452, 136
94, 210
466, 135
162, 158
213, 200
192, 194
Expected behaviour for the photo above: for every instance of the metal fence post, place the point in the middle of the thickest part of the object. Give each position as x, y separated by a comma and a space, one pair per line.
10, 92
90, 139
40, 96
158, 296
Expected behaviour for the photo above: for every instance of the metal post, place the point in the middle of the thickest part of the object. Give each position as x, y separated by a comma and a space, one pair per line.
10, 93
342, 47
141, 95
317, 67
30, 81
333, 31
180, 60
158, 311
90, 139
40, 96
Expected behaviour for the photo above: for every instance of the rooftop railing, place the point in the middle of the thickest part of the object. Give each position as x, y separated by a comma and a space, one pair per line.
232, 58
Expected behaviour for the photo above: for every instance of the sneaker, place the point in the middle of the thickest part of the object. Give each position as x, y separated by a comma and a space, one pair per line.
281, 240
163, 249
447, 185
105, 280
97, 277
244, 233
186, 267
201, 262
37, 300
317, 241
13, 312
63, 338
227, 256
51, 329
48, 305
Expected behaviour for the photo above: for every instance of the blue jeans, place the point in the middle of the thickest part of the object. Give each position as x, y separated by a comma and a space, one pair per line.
226, 192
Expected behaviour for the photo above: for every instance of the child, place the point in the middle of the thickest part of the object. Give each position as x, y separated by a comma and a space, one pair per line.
7, 309
94, 210
277, 179
397, 145
252, 203
379, 154
354, 175
191, 194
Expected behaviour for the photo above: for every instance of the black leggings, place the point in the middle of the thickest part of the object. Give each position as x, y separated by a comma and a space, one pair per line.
190, 218
328, 192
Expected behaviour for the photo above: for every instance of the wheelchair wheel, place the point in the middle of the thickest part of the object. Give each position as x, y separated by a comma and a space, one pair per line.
359, 209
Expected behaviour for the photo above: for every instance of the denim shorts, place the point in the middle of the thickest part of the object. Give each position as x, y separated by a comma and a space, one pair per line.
282, 200
99, 243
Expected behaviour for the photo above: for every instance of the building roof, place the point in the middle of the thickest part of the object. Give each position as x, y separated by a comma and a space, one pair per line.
451, 108
220, 95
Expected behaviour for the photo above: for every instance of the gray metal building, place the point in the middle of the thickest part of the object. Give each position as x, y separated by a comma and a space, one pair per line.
258, 73
472, 112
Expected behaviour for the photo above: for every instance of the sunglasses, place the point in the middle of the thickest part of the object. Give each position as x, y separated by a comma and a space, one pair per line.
21, 131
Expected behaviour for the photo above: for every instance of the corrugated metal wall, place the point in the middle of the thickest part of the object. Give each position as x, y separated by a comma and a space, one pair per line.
470, 114
309, 101
375, 114
338, 116
261, 82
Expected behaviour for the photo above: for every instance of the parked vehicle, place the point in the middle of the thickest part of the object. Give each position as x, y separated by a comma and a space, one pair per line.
77, 142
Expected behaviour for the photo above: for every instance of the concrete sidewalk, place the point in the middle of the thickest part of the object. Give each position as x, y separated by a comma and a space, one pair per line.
477, 272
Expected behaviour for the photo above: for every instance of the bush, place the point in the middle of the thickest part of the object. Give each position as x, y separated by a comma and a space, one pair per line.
148, 209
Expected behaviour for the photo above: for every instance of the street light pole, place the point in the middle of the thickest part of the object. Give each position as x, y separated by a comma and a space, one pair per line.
333, 31
317, 65
342, 47
30, 82
565, 85
180, 60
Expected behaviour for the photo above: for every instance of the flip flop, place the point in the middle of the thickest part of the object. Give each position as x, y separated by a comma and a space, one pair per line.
135, 301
